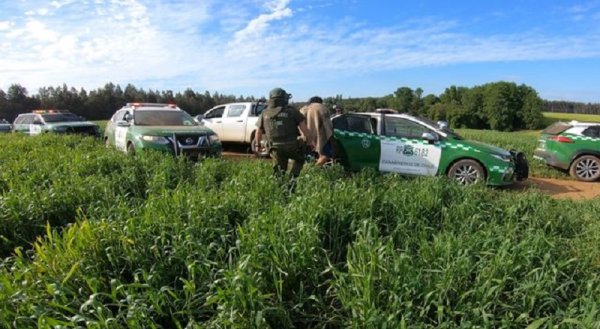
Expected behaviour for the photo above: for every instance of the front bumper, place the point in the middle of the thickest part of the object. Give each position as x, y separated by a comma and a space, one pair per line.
521, 165
191, 146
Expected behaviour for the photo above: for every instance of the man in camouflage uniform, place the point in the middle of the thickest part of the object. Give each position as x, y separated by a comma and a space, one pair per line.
280, 123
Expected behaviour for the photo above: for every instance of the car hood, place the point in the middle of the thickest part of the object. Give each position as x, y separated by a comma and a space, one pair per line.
170, 130
486, 148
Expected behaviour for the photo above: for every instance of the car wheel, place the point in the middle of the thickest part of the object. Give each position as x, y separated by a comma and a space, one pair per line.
130, 149
466, 172
586, 168
263, 151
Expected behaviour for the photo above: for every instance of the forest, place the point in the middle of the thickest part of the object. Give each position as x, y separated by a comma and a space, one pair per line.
503, 106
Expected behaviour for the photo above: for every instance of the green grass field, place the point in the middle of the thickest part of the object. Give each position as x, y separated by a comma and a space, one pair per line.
550, 117
92, 238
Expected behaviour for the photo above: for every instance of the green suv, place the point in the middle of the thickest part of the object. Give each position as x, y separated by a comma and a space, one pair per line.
572, 146
56, 121
416, 146
162, 127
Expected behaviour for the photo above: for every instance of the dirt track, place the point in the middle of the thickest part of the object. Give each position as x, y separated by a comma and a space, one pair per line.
561, 188
556, 188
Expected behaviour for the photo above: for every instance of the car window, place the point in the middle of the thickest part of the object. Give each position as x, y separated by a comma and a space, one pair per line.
257, 109
400, 127
25, 119
163, 118
593, 131
215, 113
235, 110
355, 123
117, 116
60, 117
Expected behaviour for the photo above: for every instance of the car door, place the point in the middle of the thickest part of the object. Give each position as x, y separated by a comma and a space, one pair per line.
122, 126
233, 122
213, 119
356, 141
405, 151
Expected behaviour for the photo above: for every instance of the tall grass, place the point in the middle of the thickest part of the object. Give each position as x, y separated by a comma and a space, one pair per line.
157, 242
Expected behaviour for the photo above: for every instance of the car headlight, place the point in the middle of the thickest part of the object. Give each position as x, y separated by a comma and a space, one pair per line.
155, 139
502, 157
213, 138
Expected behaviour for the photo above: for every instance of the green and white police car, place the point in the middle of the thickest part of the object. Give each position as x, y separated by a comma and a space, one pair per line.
161, 127
572, 146
55, 121
416, 146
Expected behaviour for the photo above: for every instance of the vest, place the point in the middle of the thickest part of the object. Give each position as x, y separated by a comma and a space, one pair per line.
280, 126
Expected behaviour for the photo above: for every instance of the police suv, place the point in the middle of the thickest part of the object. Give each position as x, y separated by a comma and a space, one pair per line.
161, 127
55, 121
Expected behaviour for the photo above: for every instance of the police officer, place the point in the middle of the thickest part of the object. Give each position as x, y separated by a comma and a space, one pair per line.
280, 123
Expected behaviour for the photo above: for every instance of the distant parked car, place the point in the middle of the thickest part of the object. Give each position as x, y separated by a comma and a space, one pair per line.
572, 146
416, 146
5, 126
162, 127
55, 121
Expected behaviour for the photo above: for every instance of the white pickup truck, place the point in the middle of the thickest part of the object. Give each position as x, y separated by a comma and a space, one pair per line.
234, 122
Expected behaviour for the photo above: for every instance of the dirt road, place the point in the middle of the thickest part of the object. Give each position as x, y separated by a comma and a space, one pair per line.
556, 188
562, 188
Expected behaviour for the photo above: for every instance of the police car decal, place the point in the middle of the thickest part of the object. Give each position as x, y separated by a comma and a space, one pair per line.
121, 138
35, 129
408, 157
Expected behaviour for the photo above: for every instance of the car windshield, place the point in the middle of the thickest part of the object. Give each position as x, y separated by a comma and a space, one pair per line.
60, 117
3, 121
446, 129
163, 118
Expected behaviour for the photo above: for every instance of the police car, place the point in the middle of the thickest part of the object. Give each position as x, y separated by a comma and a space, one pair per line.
572, 146
55, 121
416, 146
162, 127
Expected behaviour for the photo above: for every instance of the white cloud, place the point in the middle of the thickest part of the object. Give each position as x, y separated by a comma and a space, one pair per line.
255, 28
209, 45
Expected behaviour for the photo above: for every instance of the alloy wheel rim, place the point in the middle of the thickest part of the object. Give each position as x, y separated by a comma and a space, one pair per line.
466, 174
587, 168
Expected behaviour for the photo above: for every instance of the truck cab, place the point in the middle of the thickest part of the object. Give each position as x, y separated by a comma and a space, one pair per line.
234, 122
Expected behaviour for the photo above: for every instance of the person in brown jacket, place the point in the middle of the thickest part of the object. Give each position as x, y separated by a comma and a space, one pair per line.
320, 129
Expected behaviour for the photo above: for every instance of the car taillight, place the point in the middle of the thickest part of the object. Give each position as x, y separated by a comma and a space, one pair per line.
561, 139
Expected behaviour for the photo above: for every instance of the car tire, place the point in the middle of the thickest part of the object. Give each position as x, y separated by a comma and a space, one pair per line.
586, 168
264, 150
466, 172
130, 149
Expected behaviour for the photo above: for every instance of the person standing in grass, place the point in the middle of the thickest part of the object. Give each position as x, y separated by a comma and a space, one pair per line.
320, 129
280, 122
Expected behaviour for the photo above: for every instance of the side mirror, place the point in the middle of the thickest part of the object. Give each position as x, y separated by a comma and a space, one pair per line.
442, 124
37, 122
123, 123
128, 117
430, 137
199, 118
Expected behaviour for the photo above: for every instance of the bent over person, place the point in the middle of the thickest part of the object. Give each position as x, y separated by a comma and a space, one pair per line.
320, 129
280, 123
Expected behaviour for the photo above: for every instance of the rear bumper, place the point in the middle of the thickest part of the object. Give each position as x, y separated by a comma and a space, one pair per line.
550, 159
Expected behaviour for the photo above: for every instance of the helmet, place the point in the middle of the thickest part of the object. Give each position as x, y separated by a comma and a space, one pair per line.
279, 93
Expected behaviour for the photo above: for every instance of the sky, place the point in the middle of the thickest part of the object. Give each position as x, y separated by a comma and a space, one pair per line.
319, 47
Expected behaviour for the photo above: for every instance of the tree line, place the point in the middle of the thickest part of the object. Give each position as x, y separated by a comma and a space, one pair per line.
500, 105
